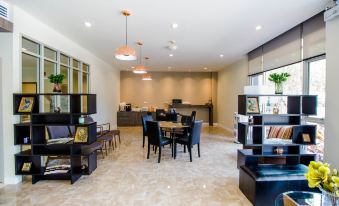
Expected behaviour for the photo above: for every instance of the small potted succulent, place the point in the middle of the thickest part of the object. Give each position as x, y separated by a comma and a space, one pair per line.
320, 176
56, 79
278, 80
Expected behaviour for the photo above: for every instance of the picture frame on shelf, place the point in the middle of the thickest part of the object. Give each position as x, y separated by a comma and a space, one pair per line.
26, 105
26, 167
306, 138
252, 105
81, 135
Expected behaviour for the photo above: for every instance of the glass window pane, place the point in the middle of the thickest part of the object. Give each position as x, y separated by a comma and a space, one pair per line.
257, 80
50, 68
64, 86
75, 64
317, 84
50, 54
84, 83
75, 81
294, 84
31, 46
30, 70
64, 59
85, 68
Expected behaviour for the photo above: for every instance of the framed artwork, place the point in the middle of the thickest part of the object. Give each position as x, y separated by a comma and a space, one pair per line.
26, 104
81, 135
306, 138
252, 105
26, 167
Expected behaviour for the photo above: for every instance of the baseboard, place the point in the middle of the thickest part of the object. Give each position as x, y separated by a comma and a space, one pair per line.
230, 130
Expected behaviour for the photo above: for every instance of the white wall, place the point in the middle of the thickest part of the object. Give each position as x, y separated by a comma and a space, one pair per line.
332, 94
104, 78
231, 82
1, 137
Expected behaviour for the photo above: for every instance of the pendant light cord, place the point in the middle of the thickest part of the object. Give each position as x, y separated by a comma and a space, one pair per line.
126, 32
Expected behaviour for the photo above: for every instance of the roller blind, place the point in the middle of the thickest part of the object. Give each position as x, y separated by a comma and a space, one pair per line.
255, 61
314, 37
283, 50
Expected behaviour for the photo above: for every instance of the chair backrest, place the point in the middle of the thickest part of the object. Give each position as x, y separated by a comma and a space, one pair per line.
55, 132
144, 119
160, 115
193, 116
195, 132
186, 120
153, 132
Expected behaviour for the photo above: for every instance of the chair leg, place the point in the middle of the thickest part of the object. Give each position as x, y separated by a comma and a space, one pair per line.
148, 150
175, 150
115, 140
184, 148
153, 147
155, 150
159, 158
119, 138
105, 145
199, 149
102, 153
143, 141
190, 151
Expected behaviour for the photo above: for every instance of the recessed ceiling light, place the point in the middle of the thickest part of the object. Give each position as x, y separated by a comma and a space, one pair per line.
205, 68
221, 56
169, 67
259, 27
132, 67
171, 55
175, 25
88, 24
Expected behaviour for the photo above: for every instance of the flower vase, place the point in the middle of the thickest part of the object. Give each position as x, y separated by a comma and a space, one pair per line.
57, 88
278, 88
329, 199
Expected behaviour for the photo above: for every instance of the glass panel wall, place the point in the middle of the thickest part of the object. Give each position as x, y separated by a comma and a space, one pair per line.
30, 71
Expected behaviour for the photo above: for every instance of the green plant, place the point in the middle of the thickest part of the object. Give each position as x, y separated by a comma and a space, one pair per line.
279, 78
56, 79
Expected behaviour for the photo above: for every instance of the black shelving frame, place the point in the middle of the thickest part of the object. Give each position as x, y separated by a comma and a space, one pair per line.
256, 153
36, 131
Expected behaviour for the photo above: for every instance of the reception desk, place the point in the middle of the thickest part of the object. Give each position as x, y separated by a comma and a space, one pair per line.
200, 109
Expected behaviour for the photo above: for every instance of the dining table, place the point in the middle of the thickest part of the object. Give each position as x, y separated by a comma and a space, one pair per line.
172, 128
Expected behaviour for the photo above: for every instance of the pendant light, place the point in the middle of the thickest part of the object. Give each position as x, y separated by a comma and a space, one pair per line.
140, 69
125, 52
146, 77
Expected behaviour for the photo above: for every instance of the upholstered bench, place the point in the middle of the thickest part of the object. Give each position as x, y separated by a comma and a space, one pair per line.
261, 184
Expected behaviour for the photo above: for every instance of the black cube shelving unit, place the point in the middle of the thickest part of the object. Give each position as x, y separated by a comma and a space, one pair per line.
264, 173
36, 131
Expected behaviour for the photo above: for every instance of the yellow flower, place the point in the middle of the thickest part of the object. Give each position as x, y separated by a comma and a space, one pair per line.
318, 173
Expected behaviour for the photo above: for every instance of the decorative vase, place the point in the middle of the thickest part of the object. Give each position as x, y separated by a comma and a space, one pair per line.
329, 199
57, 88
278, 88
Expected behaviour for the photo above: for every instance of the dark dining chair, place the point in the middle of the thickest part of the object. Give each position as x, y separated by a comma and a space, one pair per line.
160, 115
144, 119
156, 138
192, 139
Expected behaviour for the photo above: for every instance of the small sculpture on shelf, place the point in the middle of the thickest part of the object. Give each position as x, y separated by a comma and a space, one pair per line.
279, 150
57, 109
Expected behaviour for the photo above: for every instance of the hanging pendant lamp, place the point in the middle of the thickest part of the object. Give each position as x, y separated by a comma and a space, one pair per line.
140, 69
125, 52
146, 77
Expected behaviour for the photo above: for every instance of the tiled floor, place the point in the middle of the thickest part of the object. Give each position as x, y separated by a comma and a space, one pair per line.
126, 177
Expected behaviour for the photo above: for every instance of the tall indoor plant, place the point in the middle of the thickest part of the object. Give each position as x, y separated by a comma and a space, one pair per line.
320, 175
278, 80
56, 79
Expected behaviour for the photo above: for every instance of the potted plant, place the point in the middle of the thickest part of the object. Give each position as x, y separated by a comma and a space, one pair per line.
320, 176
56, 79
278, 80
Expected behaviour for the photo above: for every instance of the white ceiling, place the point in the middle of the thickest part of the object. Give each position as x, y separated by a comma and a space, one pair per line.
207, 28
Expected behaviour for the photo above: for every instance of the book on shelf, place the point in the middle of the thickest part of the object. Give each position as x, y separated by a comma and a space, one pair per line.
64, 140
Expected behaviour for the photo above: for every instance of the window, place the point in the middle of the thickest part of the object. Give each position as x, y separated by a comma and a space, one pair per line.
39, 61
